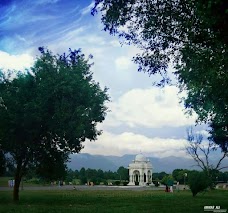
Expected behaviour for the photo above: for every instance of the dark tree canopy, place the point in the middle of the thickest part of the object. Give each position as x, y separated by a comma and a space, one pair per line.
2, 163
48, 112
192, 36
163, 29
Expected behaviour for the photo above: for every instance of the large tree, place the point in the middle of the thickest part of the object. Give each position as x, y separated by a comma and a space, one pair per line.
191, 36
49, 111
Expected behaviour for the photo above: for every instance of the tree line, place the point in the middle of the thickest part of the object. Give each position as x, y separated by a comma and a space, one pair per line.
98, 176
121, 176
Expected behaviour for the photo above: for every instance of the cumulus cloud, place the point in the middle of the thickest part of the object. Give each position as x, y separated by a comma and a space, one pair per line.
123, 62
131, 143
17, 62
151, 108
115, 43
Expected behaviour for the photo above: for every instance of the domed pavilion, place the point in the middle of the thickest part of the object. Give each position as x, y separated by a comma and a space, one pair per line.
140, 171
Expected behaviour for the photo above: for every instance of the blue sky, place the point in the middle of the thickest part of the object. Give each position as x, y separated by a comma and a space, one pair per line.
142, 118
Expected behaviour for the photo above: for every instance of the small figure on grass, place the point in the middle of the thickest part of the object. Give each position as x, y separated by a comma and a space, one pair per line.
171, 189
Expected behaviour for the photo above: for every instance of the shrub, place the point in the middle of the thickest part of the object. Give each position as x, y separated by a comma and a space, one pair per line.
117, 183
125, 183
83, 180
105, 182
76, 182
34, 181
198, 182
156, 183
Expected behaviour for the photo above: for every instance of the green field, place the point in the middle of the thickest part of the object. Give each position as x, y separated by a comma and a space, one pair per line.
111, 201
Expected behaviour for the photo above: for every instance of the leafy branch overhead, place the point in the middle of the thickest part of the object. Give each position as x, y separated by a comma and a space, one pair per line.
190, 36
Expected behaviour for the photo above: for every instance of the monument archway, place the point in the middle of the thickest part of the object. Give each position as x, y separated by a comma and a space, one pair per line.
136, 176
140, 171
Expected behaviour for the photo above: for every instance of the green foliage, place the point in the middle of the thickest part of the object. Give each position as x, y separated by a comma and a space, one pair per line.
56, 170
125, 183
167, 180
82, 175
190, 35
156, 183
109, 175
76, 182
166, 30
2, 163
159, 176
71, 175
47, 112
100, 173
222, 177
104, 182
198, 182
179, 175
83, 180
97, 176
34, 181
116, 183
123, 173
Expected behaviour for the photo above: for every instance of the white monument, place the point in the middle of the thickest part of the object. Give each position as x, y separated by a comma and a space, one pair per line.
140, 171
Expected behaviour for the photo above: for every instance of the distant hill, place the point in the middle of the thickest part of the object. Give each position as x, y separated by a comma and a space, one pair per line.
112, 163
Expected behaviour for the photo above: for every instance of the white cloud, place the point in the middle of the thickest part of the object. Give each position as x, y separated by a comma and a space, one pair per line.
74, 33
115, 43
130, 143
123, 62
46, 1
151, 108
94, 39
17, 62
87, 9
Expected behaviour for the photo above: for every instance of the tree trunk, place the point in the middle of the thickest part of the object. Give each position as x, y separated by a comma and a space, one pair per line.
17, 179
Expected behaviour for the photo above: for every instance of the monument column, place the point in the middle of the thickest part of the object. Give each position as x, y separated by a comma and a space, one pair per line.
142, 178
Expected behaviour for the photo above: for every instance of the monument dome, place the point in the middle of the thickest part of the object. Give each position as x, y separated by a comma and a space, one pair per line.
140, 157
140, 171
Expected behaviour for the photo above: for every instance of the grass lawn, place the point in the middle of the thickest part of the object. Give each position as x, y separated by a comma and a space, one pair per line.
111, 201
